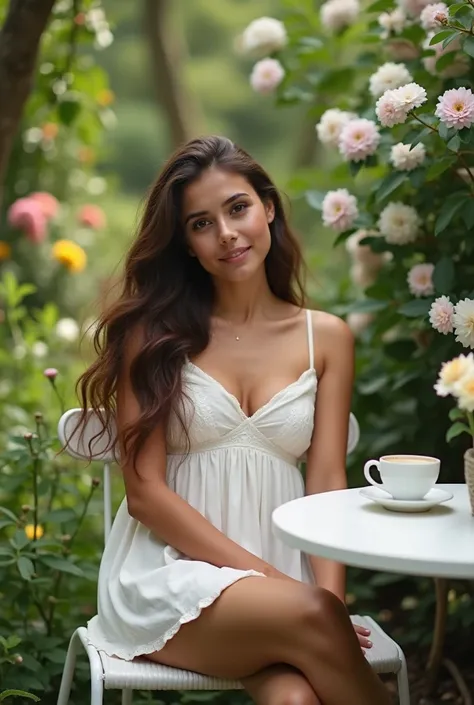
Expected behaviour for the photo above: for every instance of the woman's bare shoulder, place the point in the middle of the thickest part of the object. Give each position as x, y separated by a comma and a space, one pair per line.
331, 328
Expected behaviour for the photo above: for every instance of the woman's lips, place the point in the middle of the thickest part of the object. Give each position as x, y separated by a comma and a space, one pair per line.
237, 255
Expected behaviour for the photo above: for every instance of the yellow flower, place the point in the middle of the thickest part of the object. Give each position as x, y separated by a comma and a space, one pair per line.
105, 97
70, 254
30, 531
5, 250
452, 372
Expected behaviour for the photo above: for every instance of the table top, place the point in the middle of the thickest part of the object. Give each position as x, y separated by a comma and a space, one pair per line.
345, 527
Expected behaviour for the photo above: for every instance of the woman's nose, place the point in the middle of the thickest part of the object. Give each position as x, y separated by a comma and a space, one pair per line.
226, 232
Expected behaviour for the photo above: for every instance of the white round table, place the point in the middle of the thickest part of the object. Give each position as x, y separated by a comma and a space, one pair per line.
345, 527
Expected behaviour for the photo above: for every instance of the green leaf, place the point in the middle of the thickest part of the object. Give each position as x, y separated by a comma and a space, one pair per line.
468, 45
25, 567
315, 199
467, 213
454, 143
451, 206
6, 552
9, 514
62, 565
12, 642
68, 110
455, 414
59, 516
443, 131
415, 308
439, 167
456, 430
18, 693
390, 183
368, 306
19, 540
444, 275
441, 36
6, 522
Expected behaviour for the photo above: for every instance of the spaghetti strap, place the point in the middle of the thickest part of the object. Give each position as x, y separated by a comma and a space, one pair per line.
309, 321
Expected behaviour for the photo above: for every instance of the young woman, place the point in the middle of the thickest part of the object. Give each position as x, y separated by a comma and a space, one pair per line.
220, 380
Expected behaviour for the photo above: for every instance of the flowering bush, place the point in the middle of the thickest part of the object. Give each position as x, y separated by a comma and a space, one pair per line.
46, 499
49, 216
456, 378
389, 90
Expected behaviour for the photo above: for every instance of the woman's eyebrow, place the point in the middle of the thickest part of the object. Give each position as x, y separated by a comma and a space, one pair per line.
234, 197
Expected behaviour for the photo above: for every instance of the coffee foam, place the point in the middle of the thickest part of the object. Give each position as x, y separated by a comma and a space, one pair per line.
409, 459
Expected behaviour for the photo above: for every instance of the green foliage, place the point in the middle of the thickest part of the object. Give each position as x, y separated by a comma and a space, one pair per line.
47, 573
399, 354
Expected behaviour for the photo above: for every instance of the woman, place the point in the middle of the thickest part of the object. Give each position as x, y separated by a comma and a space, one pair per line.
210, 364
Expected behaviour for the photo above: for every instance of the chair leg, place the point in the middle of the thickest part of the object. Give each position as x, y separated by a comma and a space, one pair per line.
68, 672
127, 696
402, 681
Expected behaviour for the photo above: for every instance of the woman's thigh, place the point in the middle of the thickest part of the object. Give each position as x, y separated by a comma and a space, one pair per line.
280, 685
249, 627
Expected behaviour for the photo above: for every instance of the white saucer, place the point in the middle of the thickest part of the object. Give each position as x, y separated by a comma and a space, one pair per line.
433, 498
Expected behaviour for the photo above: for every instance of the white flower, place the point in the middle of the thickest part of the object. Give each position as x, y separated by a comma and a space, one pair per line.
67, 329
263, 36
404, 157
434, 16
39, 349
399, 224
452, 372
266, 75
359, 139
388, 111
441, 315
331, 124
464, 391
359, 321
363, 253
410, 96
337, 14
420, 279
339, 209
463, 320
392, 22
389, 75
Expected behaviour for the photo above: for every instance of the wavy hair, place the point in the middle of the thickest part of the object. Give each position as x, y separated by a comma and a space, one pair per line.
170, 296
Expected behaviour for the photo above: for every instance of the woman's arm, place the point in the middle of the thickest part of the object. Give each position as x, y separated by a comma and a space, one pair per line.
326, 463
164, 512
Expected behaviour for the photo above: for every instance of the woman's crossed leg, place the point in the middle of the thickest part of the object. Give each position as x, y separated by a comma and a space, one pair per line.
260, 625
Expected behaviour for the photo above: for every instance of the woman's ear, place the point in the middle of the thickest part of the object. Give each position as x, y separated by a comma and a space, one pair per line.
270, 211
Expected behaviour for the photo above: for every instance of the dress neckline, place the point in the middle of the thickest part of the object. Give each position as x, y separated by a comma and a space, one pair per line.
233, 398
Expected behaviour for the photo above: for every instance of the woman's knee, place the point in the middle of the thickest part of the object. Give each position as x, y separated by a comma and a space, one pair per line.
322, 608
301, 694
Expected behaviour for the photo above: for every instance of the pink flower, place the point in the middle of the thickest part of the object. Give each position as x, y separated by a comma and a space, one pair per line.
266, 75
359, 139
389, 111
92, 216
420, 279
441, 315
434, 15
339, 209
456, 108
49, 204
51, 373
27, 215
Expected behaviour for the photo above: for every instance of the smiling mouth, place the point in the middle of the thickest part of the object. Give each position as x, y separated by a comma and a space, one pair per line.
235, 254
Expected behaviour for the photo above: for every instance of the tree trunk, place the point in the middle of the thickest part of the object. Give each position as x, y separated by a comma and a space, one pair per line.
20, 38
167, 51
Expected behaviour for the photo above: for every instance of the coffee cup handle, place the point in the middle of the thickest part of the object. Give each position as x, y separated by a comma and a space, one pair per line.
367, 467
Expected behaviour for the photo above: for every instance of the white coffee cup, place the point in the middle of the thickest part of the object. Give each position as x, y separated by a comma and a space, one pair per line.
404, 476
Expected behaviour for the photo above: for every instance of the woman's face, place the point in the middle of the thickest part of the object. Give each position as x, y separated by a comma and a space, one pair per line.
226, 225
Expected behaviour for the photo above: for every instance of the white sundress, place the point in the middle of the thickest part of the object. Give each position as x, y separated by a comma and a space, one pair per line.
238, 470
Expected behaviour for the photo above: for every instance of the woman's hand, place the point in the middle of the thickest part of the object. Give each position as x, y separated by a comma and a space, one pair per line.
363, 633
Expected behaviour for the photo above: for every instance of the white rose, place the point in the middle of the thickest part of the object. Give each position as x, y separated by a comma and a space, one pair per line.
389, 75
399, 224
404, 157
338, 14
263, 36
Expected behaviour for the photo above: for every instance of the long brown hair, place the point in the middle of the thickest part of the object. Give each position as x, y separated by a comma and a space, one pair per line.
170, 296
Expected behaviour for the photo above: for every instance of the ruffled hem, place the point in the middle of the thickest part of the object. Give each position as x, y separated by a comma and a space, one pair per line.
112, 649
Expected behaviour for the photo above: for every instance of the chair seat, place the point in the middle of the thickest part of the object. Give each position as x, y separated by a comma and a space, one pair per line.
140, 674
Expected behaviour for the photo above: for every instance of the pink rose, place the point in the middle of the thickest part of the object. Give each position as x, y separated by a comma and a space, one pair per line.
27, 214
92, 216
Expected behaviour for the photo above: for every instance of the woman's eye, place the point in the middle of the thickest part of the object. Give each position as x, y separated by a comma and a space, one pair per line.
199, 224
239, 207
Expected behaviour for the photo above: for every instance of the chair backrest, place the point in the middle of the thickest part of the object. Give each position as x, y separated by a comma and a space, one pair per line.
76, 442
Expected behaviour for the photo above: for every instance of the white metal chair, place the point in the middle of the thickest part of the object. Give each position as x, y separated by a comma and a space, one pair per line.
112, 673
